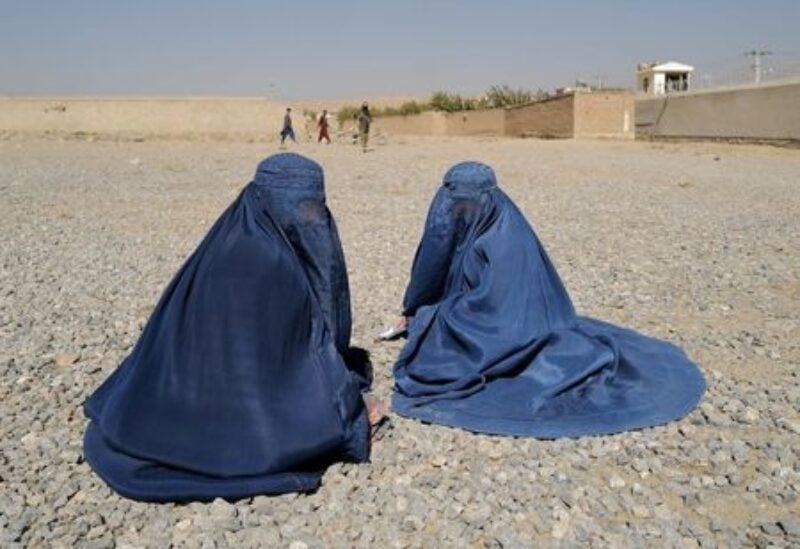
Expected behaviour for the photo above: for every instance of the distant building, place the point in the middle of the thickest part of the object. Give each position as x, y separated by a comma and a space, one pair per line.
606, 113
662, 78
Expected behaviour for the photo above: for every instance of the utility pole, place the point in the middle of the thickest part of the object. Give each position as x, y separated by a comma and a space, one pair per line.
757, 55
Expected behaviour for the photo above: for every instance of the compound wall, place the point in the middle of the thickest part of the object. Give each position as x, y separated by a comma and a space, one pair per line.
763, 112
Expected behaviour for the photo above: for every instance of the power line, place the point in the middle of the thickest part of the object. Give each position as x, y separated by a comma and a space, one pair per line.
757, 55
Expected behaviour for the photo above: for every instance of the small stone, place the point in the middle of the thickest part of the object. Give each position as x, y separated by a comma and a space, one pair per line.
257, 537
768, 467
791, 526
663, 513
495, 453
403, 480
735, 479
561, 527
30, 439
616, 482
771, 529
298, 545
183, 525
791, 425
411, 523
717, 419
62, 360
221, 508
720, 458
749, 416
718, 524
639, 465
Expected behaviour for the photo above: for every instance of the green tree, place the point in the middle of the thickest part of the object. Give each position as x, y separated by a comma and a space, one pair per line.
447, 102
412, 107
506, 96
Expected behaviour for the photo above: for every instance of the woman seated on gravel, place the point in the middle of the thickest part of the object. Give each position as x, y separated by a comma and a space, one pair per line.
238, 385
494, 344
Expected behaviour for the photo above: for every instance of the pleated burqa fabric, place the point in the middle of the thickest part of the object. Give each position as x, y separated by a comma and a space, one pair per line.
494, 343
237, 386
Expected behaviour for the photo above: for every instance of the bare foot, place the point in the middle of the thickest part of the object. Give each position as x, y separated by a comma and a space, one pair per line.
377, 412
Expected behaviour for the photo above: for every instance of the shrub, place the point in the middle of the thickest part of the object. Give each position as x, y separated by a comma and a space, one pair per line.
541, 94
505, 96
347, 113
448, 102
412, 107
496, 97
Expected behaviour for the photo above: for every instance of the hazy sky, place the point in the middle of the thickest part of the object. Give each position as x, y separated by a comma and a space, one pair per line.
334, 48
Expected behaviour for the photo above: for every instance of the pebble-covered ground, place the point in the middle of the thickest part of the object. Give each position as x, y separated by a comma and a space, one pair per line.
696, 243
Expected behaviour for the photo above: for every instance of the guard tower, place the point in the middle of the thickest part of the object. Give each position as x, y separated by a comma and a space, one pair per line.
663, 78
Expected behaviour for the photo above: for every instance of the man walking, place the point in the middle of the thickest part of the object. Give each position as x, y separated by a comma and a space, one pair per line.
364, 121
287, 130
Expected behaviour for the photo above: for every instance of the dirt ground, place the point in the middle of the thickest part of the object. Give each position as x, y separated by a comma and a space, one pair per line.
697, 243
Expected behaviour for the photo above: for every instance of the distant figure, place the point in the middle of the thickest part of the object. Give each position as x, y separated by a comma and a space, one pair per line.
323, 127
288, 130
364, 120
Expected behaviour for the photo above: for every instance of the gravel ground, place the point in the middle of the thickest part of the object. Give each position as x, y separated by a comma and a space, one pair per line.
697, 243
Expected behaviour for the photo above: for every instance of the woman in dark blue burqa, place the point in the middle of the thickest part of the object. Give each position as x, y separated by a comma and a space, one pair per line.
238, 385
494, 344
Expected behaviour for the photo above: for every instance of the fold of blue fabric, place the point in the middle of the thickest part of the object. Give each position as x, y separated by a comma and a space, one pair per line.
237, 385
494, 343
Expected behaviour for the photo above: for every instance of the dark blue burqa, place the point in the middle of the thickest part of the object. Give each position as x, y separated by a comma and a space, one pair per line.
237, 385
495, 346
